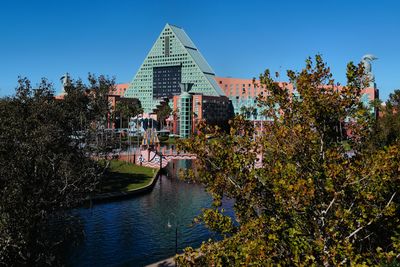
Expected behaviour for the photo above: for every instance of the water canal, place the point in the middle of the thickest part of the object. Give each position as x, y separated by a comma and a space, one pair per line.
141, 230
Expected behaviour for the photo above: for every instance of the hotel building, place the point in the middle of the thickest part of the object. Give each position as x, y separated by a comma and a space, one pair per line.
174, 60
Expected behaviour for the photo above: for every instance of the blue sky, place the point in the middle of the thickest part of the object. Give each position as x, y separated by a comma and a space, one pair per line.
238, 38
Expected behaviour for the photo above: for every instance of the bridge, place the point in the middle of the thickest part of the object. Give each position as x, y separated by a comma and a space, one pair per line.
148, 155
152, 158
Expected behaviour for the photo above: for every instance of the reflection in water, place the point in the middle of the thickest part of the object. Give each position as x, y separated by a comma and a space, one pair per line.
135, 232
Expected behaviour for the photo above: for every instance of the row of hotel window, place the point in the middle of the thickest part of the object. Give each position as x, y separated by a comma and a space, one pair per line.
243, 85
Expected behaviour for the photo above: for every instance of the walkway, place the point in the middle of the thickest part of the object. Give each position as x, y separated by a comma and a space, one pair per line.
164, 263
152, 160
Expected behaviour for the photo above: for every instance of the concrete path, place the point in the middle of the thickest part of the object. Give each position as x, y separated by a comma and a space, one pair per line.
164, 263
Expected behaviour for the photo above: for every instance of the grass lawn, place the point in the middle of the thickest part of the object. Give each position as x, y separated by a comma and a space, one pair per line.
124, 177
168, 141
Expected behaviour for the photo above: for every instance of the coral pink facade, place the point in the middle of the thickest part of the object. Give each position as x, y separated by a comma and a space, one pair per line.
249, 88
235, 87
120, 89
243, 88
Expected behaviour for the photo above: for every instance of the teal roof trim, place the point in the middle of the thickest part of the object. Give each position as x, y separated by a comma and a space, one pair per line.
182, 36
200, 61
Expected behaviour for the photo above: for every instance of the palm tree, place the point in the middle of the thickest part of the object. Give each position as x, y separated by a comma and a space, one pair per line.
128, 109
162, 114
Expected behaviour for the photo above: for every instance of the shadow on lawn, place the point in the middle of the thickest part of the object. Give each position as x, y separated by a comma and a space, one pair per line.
118, 181
114, 181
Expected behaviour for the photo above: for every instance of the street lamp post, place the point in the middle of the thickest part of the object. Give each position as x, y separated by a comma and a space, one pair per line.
120, 132
129, 141
130, 152
176, 239
137, 129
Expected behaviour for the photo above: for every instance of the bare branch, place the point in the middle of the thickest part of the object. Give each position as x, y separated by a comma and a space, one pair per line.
358, 229
390, 201
330, 205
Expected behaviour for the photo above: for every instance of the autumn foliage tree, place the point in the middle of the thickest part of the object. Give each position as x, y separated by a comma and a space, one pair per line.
308, 190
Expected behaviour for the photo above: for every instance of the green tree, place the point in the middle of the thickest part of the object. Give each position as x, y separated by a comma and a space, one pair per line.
46, 166
247, 112
88, 109
310, 202
163, 112
128, 109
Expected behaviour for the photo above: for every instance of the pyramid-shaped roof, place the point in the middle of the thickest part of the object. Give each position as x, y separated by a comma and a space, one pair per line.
173, 49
